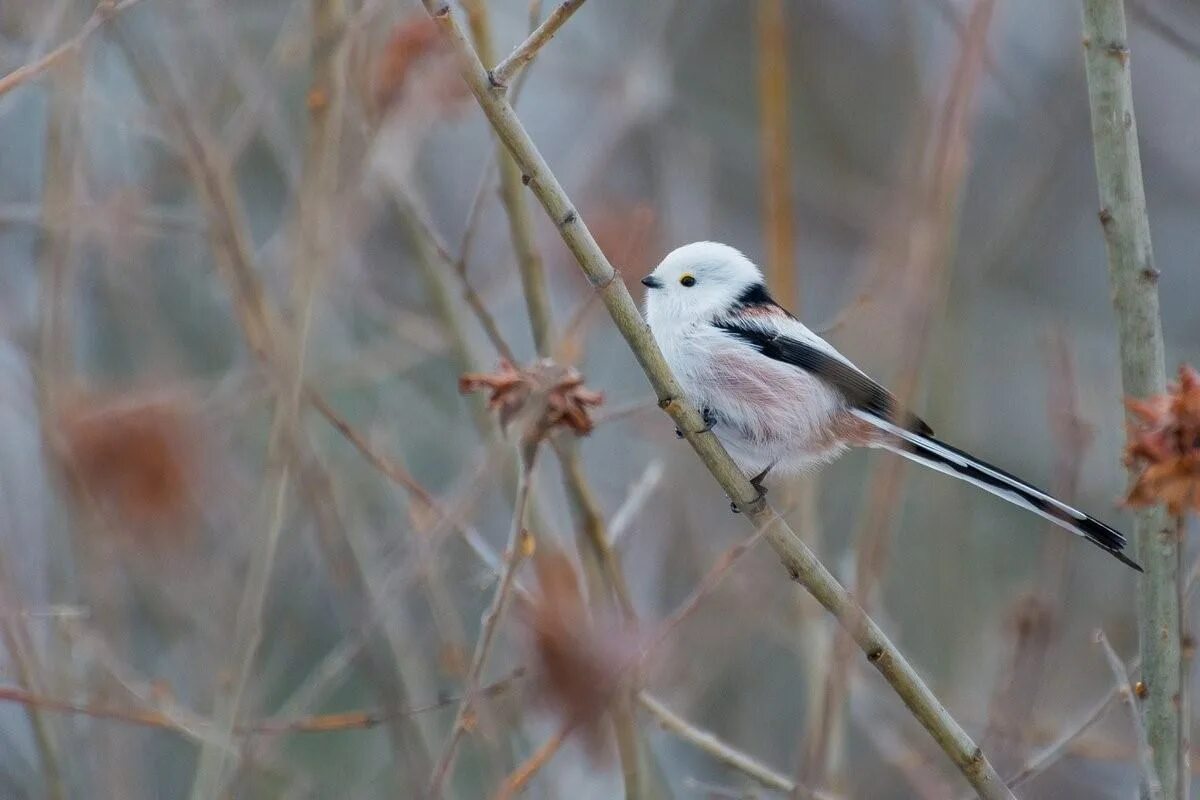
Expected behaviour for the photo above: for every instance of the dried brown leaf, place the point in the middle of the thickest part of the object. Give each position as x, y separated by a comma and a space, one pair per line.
1164, 444
566, 400
580, 665
134, 455
416, 42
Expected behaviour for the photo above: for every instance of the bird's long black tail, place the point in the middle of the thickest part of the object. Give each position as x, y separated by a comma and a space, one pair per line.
936, 454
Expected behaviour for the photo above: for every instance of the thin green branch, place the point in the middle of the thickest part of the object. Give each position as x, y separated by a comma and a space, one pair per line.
799, 561
1133, 279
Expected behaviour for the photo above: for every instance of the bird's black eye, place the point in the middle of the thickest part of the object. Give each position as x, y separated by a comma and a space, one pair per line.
688, 280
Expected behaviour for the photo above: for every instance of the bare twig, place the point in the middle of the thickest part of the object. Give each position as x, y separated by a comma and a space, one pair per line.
519, 778
895, 748
1152, 18
639, 494
707, 742
512, 194
423, 228
475, 213
211, 173
388, 467
519, 547
590, 523
29, 673
1125, 692
1133, 279
318, 181
103, 13
671, 721
703, 588
526, 50
799, 561
358, 719
63, 146
1054, 751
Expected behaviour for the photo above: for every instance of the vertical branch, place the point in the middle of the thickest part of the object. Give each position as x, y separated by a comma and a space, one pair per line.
775, 138
55, 353
1133, 279
317, 181
799, 561
512, 194
520, 545
231, 243
598, 554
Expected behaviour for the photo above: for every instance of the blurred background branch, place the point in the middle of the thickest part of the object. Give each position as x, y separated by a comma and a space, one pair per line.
217, 219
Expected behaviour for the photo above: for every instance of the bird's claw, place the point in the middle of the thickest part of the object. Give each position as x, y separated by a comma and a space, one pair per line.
762, 494
757, 483
708, 423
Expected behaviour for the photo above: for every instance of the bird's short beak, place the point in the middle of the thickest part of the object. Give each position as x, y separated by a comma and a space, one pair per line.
652, 282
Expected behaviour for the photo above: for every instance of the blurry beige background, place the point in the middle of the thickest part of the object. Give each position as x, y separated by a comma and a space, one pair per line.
137, 497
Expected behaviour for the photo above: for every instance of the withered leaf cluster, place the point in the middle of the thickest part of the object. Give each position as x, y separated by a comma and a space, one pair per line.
417, 42
581, 663
555, 394
134, 455
1164, 445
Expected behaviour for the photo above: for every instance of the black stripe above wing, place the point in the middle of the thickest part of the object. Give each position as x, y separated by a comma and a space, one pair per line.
755, 297
860, 391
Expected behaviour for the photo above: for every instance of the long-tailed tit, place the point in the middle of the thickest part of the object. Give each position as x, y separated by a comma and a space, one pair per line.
780, 397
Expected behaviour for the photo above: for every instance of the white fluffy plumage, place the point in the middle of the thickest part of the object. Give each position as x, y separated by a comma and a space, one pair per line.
767, 413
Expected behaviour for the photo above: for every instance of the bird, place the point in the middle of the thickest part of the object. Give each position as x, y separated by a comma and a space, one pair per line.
779, 397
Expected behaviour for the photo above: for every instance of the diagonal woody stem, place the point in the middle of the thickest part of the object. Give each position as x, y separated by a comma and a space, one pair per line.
797, 558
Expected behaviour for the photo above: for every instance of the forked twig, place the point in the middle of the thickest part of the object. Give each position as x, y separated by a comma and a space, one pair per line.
526, 50
1124, 689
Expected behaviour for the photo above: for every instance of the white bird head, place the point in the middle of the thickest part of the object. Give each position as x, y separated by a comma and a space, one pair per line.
696, 282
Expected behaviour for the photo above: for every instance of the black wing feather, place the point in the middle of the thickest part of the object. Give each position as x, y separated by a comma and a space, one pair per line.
860, 391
